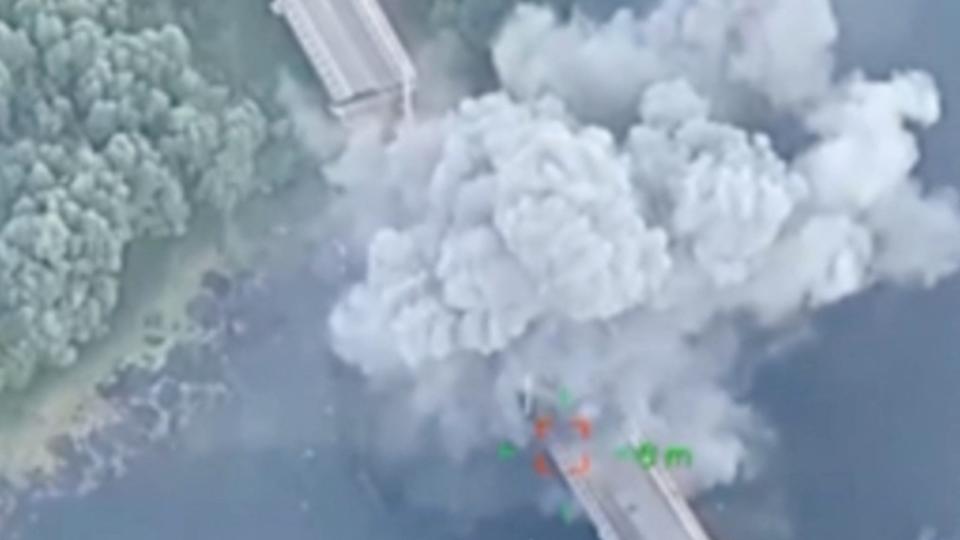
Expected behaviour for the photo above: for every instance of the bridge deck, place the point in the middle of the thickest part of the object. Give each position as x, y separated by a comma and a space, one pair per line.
350, 45
626, 502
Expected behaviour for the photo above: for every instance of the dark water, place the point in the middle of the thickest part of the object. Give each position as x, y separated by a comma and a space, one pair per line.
869, 419
869, 416
275, 459
255, 495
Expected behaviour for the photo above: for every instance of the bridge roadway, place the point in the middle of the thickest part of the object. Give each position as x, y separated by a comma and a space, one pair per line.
351, 46
624, 501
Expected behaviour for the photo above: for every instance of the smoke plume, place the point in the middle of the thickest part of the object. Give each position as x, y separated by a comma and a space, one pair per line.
604, 221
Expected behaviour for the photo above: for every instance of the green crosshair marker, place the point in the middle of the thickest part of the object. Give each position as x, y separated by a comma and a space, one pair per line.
646, 455
567, 513
506, 450
566, 400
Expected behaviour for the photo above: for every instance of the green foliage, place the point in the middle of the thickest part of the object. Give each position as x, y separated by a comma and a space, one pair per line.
108, 135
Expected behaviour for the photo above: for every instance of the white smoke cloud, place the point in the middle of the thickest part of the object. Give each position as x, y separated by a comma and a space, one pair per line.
314, 125
864, 136
780, 49
524, 234
536, 55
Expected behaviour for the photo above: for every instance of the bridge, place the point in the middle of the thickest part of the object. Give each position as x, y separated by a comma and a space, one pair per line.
355, 52
627, 502
623, 500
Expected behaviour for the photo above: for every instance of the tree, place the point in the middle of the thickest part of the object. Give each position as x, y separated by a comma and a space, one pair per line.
108, 136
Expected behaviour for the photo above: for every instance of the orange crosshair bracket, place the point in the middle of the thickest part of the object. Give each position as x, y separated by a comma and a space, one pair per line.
542, 426
541, 465
581, 468
583, 427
